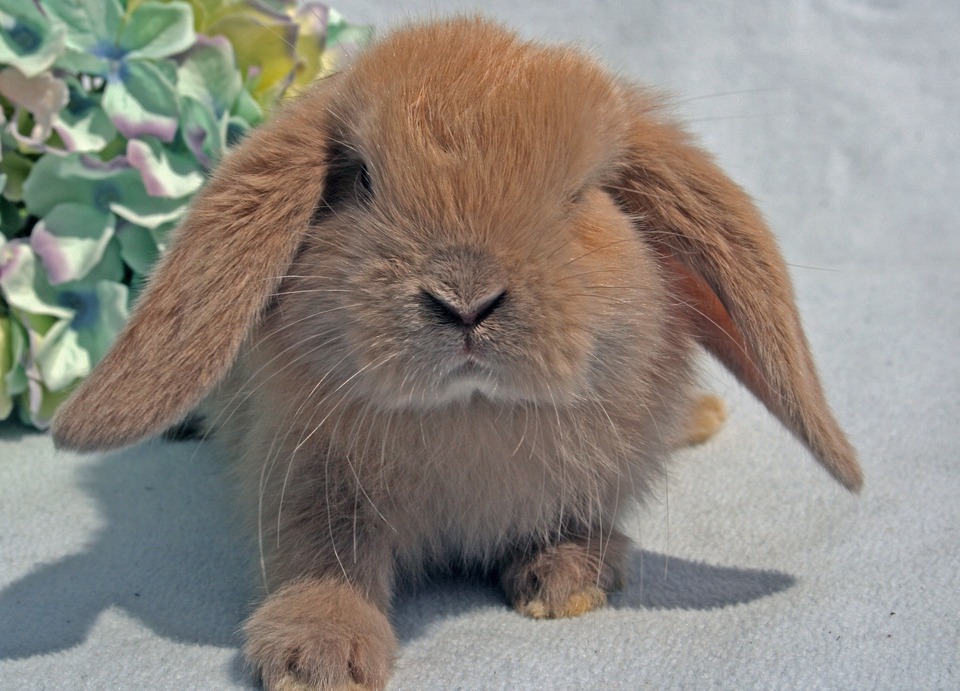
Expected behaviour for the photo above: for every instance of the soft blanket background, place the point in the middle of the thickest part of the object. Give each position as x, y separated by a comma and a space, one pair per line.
753, 570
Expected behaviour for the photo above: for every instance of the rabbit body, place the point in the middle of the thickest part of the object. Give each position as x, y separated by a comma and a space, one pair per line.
464, 468
443, 309
390, 448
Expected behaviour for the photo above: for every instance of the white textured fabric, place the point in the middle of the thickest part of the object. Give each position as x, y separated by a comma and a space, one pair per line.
753, 570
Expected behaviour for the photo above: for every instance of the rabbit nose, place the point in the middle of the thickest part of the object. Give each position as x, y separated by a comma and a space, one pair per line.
454, 312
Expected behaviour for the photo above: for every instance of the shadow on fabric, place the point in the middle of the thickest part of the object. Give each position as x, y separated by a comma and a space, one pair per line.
654, 581
170, 554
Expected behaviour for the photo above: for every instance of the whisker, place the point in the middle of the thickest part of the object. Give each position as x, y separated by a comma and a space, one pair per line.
724, 94
599, 249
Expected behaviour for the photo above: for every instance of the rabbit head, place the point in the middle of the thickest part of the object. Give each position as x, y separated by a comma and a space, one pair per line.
458, 214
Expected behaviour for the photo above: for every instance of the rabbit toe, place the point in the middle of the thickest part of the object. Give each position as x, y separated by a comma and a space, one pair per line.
319, 634
574, 604
706, 417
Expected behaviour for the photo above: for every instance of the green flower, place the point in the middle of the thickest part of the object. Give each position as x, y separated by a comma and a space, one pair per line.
216, 108
112, 114
128, 49
279, 44
83, 125
58, 332
27, 39
116, 186
6, 365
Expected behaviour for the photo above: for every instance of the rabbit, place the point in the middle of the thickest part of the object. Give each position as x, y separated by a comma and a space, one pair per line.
444, 310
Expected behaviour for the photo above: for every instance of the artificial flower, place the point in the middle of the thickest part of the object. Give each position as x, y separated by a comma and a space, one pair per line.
112, 115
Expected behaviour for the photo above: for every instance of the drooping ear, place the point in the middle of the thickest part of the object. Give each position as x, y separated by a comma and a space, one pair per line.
731, 279
224, 264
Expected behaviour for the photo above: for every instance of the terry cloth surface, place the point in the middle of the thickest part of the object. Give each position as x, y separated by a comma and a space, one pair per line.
752, 568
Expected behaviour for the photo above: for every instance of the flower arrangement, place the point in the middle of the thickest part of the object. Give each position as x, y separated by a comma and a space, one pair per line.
113, 113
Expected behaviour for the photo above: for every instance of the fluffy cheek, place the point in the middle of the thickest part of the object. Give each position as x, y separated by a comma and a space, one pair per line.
617, 286
550, 348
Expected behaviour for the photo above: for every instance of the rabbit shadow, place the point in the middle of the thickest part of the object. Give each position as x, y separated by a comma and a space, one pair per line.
654, 582
171, 555
168, 553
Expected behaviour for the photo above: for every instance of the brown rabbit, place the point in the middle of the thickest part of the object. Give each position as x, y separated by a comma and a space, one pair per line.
443, 309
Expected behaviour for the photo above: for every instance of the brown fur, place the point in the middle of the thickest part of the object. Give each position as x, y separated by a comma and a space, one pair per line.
443, 310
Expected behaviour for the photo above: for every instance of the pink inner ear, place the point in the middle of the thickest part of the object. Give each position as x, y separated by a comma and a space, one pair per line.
809, 418
715, 329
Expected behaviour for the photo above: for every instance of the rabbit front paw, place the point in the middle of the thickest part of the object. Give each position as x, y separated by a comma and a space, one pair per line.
319, 634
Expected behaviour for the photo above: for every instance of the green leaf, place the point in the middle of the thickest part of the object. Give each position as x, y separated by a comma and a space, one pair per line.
143, 102
157, 30
16, 168
15, 379
12, 218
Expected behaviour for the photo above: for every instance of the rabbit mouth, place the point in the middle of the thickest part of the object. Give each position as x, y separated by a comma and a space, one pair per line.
467, 379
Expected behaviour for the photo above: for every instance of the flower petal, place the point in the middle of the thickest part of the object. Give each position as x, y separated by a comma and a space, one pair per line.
143, 102
101, 329
204, 135
76, 178
137, 247
43, 95
164, 173
28, 41
83, 125
60, 359
38, 405
24, 285
71, 240
209, 74
140, 208
88, 23
265, 43
156, 30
